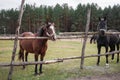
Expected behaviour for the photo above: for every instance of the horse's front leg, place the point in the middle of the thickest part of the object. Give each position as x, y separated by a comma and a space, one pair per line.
106, 55
36, 59
99, 50
41, 59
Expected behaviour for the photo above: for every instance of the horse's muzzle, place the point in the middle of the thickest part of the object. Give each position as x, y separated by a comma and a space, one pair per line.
53, 38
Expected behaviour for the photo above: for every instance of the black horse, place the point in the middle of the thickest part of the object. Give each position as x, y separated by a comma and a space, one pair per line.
105, 40
114, 41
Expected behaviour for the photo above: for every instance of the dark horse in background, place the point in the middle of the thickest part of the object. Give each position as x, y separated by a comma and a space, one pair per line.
36, 46
111, 40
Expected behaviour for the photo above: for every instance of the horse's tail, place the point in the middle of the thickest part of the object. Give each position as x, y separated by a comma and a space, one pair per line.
20, 54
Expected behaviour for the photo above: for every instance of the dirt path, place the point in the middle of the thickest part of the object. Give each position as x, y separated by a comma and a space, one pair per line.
115, 76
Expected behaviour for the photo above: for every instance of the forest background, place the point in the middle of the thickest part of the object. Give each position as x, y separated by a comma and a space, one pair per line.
66, 18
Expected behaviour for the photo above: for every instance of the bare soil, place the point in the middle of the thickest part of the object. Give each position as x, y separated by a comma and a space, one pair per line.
115, 76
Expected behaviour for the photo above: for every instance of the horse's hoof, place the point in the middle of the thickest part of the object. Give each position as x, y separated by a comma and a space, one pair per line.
112, 58
117, 62
35, 74
107, 65
40, 73
97, 64
23, 68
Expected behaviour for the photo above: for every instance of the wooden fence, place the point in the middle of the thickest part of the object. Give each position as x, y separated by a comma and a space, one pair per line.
16, 38
55, 60
83, 33
63, 35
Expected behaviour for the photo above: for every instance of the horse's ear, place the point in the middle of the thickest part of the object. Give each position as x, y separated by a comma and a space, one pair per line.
53, 24
105, 18
48, 24
99, 19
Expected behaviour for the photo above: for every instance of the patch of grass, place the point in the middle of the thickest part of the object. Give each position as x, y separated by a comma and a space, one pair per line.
58, 71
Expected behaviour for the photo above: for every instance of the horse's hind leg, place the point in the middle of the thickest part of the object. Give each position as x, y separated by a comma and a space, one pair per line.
112, 49
106, 55
26, 56
117, 53
21, 56
117, 57
23, 59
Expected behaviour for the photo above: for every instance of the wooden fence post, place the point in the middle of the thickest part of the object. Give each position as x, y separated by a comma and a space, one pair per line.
85, 38
16, 40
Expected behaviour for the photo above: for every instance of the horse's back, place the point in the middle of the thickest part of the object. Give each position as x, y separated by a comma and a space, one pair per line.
27, 44
114, 38
27, 34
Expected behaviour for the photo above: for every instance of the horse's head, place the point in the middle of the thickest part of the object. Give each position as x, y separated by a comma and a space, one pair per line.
48, 31
102, 32
102, 23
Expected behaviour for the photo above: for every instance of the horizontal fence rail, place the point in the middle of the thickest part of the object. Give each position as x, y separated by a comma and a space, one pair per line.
60, 36
55, 60
20, 38
76, 33
78, 57
27, 38
82, 33
30, 63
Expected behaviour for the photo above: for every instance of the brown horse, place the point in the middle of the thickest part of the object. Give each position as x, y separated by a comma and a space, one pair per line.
36, 46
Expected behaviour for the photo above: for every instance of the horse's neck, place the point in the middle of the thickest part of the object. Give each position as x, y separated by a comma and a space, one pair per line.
44, 41
102, 36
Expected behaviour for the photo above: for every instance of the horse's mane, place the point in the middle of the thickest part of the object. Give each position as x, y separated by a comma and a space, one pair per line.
40, 31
